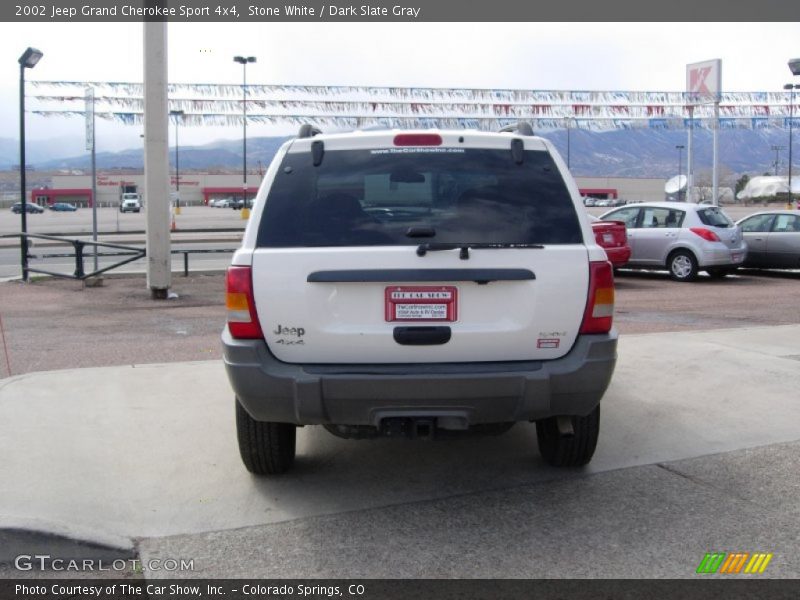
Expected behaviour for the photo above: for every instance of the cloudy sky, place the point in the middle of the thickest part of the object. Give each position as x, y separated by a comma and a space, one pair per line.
545, 56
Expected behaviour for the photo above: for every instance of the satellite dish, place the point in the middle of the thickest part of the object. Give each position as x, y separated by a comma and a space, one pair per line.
676, 184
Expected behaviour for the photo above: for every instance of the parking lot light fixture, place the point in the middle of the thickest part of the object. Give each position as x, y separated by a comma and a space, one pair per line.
680, 148
242, 60
28, 60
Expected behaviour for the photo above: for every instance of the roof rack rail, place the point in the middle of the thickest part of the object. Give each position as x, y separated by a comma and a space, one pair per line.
520, 127
307, 130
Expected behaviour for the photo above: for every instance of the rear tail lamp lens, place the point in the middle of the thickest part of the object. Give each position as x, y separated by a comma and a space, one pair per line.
418, 139
240, 305
599, 314
704, 233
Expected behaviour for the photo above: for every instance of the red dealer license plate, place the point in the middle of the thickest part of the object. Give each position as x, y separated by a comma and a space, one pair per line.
421, 303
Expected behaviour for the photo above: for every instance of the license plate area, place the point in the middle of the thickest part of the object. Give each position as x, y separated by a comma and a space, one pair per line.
421, 303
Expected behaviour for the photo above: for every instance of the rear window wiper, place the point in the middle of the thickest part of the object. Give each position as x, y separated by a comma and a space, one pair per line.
423, 249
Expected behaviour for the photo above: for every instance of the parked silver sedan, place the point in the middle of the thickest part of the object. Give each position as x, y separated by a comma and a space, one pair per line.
682, 238
773, 239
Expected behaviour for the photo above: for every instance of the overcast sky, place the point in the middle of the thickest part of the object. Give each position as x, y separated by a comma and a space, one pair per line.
544, 56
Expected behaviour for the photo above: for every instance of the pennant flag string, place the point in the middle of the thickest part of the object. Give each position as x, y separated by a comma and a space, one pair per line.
206, 104
445, 121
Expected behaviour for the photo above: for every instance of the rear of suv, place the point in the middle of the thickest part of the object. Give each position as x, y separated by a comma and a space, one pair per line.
418, 283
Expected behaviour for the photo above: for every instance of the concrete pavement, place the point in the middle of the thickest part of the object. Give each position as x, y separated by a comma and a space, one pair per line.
698, 453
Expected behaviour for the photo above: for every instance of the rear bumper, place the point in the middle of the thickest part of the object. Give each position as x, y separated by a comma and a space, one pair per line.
722, 257
465, 393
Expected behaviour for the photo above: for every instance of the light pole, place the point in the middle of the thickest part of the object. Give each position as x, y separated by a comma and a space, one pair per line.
794, 67
680, 148
178, 114
28, 60
568, 143
242, 60
777, 150
790, 87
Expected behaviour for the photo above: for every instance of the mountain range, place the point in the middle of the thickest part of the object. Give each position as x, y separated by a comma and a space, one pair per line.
619, 153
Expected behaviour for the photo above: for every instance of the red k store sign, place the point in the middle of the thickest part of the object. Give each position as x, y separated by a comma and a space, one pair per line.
704, 81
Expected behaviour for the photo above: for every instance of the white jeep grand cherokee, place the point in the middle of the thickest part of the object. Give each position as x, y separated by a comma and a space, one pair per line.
411, 283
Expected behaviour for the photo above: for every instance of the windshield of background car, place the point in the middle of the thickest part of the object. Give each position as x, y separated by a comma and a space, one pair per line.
714, 217
381, 197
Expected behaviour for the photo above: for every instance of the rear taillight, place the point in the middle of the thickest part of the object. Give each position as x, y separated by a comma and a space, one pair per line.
704, 233
417, 139
599, 313
241, 308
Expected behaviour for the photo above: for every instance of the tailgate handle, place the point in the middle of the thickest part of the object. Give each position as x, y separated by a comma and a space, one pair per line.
421, 336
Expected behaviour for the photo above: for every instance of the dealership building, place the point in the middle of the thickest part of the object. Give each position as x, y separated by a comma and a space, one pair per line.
195, 188
199, 188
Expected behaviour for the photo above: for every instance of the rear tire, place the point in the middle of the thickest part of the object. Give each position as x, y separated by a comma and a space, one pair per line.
574, 451
682, 265
266, 448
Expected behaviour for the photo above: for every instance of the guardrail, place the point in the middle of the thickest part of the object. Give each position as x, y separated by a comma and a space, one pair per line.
131, 253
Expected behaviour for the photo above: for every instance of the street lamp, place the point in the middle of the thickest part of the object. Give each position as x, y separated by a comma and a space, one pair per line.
178, 114
28, 60
791, 88
243, 61
680, 148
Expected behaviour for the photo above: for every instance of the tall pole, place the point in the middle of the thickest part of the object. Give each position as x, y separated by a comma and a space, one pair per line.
791, 120
690, 156
715, 155
178, 114
156, 159
568, 149
28, 60
242, 60
777, 157
94, 186
244, 135
23, 241
680, 168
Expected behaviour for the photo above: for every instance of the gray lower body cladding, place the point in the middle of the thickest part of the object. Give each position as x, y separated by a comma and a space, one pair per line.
462, 394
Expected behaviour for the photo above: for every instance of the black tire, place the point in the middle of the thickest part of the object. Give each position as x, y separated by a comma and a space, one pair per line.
266, 448
575, 451
682, 265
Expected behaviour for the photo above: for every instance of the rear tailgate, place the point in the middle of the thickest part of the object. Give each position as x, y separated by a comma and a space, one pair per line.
353, 322
728, 232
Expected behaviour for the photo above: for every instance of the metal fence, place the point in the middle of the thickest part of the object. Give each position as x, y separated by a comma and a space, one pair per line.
80, 253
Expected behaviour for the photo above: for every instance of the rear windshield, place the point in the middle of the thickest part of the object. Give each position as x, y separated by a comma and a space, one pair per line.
393, 197
714, 217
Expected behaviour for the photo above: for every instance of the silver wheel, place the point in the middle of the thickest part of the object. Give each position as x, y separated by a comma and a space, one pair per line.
682, 266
